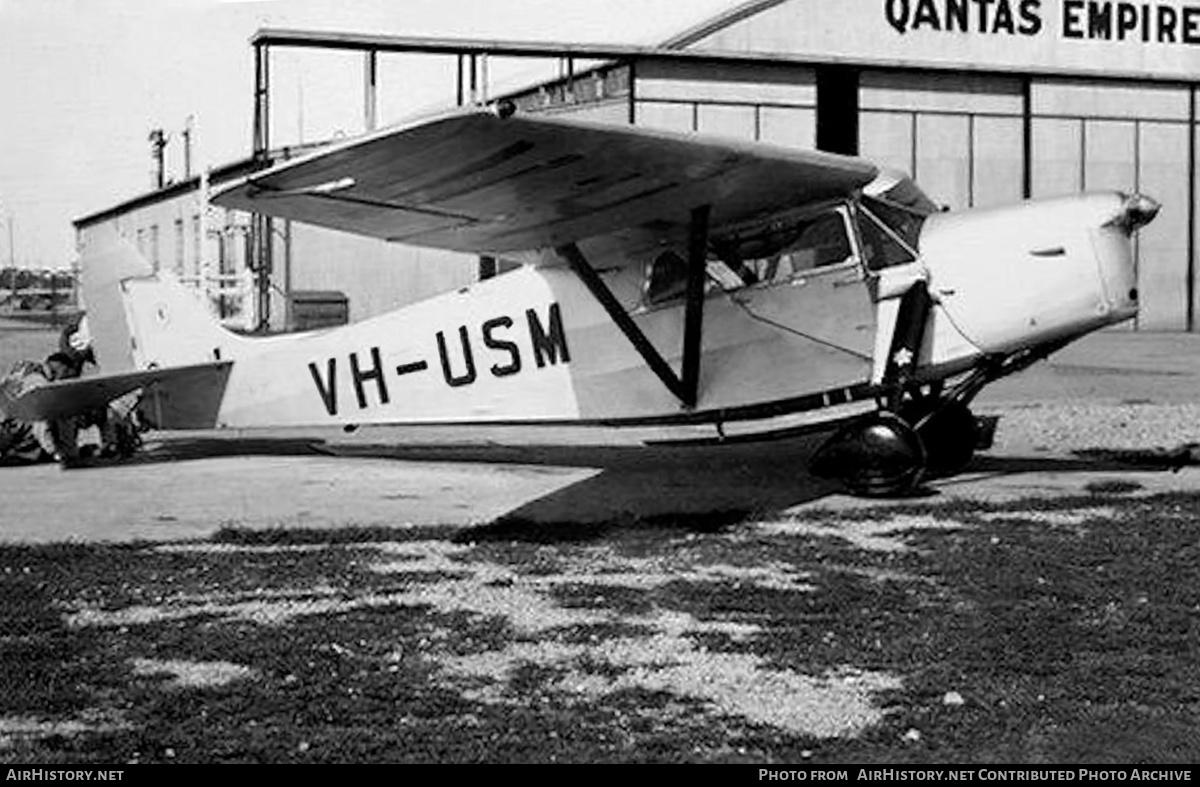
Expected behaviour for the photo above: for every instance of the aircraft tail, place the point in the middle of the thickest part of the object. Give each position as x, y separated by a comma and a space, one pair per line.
139, 319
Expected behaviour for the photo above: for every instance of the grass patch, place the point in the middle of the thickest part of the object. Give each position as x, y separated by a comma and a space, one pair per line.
1067, 642
1114, 486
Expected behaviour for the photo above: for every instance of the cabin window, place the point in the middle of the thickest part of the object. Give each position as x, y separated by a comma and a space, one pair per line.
785, 247
666, 278
766, 252
819, 242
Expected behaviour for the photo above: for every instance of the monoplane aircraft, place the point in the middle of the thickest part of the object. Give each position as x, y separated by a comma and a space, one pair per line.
664, 278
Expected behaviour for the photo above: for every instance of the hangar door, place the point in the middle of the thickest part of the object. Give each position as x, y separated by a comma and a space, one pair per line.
959, 135
962, 137
1132, 137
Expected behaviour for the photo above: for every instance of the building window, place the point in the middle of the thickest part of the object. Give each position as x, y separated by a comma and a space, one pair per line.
197, 244
179, 247
155, 259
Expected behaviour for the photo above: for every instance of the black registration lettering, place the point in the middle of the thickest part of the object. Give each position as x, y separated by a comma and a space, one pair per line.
548, 339
411, 368
326, 387
361, 376
495, 343
550, 343
468, 377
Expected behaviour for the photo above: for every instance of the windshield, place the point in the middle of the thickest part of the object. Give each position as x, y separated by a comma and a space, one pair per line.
890, 233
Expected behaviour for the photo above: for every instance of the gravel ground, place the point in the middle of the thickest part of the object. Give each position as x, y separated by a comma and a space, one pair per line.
1063, 428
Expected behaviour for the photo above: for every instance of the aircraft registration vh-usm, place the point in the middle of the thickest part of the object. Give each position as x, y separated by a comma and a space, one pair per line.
665, 278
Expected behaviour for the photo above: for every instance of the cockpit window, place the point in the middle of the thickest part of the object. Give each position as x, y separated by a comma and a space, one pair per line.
819, 242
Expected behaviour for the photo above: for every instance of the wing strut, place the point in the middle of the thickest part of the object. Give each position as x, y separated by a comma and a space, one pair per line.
686, 387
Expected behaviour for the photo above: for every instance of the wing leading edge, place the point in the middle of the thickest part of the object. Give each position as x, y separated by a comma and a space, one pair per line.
480, 182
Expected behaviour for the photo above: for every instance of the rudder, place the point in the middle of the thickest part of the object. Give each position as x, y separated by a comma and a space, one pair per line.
139, 319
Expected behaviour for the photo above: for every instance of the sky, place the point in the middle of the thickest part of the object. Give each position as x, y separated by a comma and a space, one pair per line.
82, 83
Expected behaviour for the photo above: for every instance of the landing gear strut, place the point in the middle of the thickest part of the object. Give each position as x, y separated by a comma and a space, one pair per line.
921, 430
917, 434
889, 454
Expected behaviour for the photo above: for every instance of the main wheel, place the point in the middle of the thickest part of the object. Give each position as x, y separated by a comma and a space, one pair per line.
950, 434
878, 456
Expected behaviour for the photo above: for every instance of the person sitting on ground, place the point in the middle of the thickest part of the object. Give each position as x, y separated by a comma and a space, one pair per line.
75, 342
59, 439
64, 431
21, 442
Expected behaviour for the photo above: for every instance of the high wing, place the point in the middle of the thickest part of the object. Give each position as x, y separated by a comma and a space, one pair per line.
484, 182
191, 394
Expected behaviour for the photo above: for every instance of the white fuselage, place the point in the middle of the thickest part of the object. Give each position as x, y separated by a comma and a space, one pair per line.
536, 346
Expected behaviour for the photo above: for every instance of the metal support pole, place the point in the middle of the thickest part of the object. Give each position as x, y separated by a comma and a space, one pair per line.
1193, 128
458, 74
1027, 138
370, 80
262, 109
483, 78
631, 118
693, 321
209, 282
260, 225
287, 275
474, 80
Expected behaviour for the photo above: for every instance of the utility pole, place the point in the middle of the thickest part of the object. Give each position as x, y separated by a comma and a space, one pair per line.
158, 141
187, 146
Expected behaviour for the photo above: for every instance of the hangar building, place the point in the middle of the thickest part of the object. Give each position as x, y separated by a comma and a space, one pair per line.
984, 102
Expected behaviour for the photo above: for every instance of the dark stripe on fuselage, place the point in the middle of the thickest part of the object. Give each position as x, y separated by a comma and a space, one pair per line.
800, 404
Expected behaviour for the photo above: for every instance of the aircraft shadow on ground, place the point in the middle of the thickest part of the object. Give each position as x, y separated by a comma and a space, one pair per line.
710, 485
194, 448
687, 487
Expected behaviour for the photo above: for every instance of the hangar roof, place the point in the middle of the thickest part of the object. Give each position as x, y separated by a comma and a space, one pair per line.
719, 22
